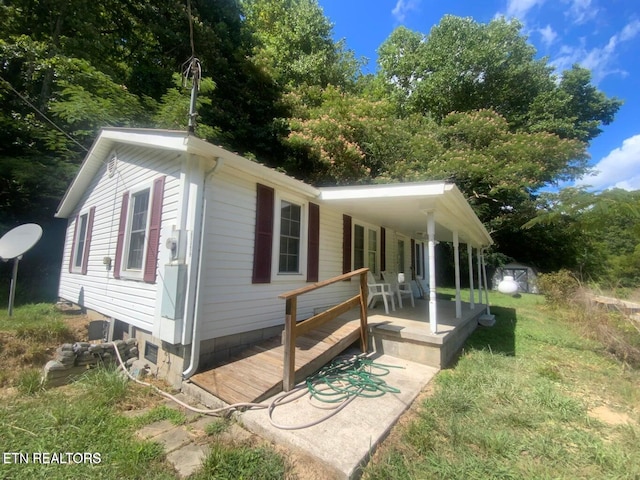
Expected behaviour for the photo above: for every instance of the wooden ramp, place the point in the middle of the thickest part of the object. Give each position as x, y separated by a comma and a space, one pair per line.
256, 373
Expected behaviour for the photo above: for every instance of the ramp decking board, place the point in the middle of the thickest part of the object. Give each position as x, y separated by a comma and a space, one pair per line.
256, 372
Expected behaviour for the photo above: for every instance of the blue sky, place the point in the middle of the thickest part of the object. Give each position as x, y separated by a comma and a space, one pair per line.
602, 35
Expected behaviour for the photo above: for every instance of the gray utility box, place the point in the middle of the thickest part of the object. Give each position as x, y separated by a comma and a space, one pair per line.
173, 293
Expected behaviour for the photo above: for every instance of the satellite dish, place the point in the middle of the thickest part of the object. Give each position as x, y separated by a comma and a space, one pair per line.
14, 244
19, 240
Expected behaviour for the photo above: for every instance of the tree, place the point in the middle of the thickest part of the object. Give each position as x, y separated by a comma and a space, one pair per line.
462, 65
606, 225
294, 44
507, 125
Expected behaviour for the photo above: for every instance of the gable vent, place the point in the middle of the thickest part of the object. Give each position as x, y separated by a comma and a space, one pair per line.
112, 165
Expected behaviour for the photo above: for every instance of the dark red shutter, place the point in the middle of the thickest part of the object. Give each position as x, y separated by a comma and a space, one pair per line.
74, 242
413, 257
313, 251
346, 243
383, 249
155, 222
87, 243
262, 253
122, 226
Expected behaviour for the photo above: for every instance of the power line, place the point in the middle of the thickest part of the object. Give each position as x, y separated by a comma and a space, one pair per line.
24, 99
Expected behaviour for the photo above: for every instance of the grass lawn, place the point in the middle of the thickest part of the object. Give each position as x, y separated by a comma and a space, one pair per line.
531, 398
80, 431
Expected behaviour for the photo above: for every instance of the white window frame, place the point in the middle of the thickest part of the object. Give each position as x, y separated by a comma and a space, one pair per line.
76, 241
276, 275
131, 273
367, 228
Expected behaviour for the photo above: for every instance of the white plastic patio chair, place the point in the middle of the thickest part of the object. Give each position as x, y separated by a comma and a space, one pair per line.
383, 290
405, 289
399, 286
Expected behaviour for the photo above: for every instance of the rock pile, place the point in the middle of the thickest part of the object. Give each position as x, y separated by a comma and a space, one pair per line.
73, 359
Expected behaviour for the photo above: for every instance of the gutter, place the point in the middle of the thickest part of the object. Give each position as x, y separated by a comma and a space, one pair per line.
195, 341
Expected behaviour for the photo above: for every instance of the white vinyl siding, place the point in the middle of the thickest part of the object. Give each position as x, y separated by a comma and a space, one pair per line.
232, 304
133, 302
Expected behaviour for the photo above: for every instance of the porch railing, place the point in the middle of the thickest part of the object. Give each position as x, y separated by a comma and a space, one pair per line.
294, 329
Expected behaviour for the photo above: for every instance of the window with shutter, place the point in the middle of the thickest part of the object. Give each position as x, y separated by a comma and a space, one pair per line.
81, 242
139, 232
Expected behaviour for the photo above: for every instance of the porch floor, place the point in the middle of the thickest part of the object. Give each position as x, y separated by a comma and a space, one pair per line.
256, 373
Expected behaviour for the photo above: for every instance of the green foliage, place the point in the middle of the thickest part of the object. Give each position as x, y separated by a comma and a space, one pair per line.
161, 412
603, 225
558, 287
29, 382
294, 44
217, 427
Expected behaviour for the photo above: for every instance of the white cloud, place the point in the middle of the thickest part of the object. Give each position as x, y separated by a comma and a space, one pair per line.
403, 7
600, 60
620, 168
581, 11
548, 35
520, 8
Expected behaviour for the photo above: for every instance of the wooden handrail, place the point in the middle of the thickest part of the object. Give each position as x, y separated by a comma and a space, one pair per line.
293, 329
315, 286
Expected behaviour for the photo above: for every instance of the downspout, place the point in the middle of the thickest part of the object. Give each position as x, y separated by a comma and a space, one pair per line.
195, 341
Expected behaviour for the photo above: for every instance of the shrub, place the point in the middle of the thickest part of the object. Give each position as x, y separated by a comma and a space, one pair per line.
558, 287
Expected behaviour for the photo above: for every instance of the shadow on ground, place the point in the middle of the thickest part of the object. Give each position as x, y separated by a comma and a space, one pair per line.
500, 338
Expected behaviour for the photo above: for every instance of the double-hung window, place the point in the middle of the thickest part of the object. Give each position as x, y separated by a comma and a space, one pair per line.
290, 239
139, 232
81, 242
365, 248
287, 237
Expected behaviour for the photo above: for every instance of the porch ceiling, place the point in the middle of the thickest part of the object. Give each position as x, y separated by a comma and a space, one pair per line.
404, 208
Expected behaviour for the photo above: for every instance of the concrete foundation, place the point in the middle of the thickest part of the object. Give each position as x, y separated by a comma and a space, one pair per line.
410, 338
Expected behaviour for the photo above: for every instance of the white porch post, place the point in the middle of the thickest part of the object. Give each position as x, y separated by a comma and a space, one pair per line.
456, 263
472, 303
431, 233
479, 255
486, 288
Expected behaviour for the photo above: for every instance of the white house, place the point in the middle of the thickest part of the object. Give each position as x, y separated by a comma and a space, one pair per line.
186, 246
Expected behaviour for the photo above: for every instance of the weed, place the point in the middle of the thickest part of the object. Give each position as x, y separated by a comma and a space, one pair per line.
29, 382
160, 412
229, 463
217, 427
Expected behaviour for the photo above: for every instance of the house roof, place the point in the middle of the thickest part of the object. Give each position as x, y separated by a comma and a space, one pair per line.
178, 141
402, 207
